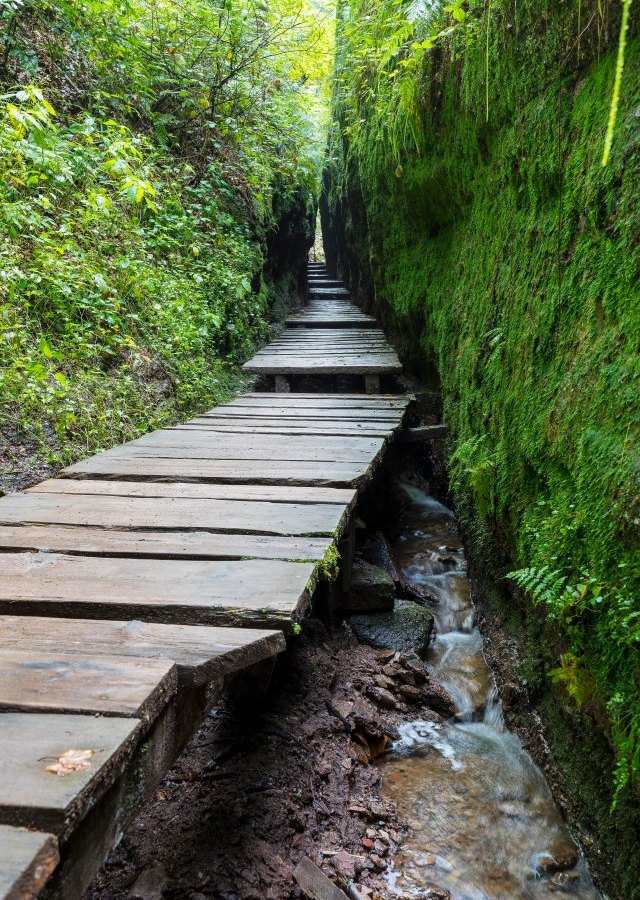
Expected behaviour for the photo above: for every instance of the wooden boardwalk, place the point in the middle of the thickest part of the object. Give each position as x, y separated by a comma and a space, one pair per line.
331, 336
138, 584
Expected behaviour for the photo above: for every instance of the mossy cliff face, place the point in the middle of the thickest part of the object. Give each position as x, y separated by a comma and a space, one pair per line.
505, 256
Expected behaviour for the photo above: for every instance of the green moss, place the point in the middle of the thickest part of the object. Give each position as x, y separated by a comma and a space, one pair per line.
506, 255
328, 568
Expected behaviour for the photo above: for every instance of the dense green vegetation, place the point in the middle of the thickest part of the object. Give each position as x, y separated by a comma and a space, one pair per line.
466, 192
155, 160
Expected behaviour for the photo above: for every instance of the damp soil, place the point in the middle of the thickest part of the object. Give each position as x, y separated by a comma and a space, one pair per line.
348, 763
255, 791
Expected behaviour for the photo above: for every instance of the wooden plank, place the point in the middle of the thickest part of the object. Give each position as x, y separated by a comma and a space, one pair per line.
249, 426
187, 490
247, 593
218, 446
101, 510
32, 679
333, 366
27, 860
331, 400
201, 653
34, 797
291, 413
274, 454
424, 433
86, 541
256, 471
314, 883
327, 321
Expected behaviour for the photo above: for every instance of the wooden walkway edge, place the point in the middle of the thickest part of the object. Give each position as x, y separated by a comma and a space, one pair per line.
134, 587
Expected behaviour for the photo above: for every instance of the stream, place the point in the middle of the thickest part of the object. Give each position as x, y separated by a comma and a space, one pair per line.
482, 821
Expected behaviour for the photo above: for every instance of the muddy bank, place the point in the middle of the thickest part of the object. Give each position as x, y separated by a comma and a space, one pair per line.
254, 792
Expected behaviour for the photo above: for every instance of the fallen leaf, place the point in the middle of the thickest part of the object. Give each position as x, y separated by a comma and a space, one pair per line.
70, 761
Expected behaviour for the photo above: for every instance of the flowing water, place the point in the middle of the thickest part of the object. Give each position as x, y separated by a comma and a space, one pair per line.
483, 823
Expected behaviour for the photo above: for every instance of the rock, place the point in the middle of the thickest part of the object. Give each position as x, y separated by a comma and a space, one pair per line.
372, 589
407, 627
344, 864
150, 883
438, 699
384, 681
375, 550
412, 663
562, 857
385, 655
410, 693
564, 879
380, 809
382, 697
378, 863
391, 670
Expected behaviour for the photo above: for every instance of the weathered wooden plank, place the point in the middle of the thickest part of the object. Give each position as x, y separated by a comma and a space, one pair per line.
101, 510
148, 544
34, 797
201, 653
292, 414
219, 445
424, 433
32, 679
327, 320
27, 860
273, 454
250, 426
248, 593
314, 883
252, 471
332, 366
320, 400
188, 490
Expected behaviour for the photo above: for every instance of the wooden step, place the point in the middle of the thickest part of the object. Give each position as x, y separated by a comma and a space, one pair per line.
81, 540
200, 653
262, 593
36, 680
27, 860
173, 513
33, 796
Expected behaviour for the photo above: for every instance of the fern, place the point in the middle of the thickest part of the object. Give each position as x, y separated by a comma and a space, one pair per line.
543, 584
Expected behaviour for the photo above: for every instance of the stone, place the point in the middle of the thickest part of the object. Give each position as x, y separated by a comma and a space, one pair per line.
344, 864
384, 681
564, 879
410, 693
557, 863
375, 550
382, 697
438, 699
372, 589
406, 627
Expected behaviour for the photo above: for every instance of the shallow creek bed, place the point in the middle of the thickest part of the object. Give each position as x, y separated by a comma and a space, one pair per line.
396, 776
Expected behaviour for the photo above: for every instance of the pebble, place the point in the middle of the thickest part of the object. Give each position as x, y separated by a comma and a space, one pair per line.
382, 697
410, 692
378, 863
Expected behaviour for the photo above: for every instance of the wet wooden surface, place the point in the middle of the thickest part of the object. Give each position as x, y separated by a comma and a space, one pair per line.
153, 571
27, 859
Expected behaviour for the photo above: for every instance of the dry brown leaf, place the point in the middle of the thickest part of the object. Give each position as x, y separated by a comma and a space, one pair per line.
70, 761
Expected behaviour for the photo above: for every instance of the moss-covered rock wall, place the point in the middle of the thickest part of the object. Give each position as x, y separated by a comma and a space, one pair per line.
502, 254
